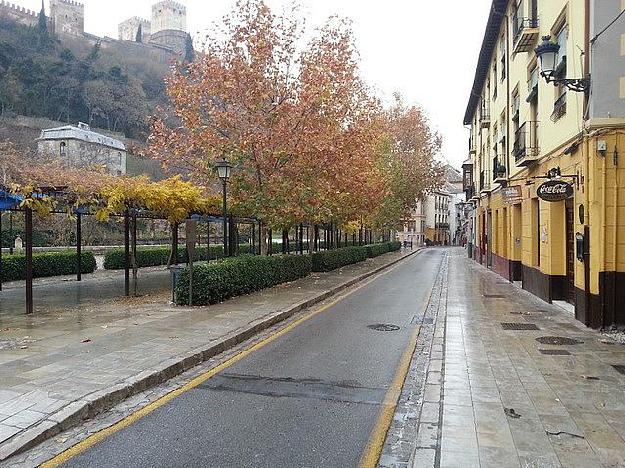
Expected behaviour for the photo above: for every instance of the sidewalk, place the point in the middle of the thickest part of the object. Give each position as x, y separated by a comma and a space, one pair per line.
509, 400
57, 369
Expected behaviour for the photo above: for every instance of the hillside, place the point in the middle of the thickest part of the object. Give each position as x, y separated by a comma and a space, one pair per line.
108, 84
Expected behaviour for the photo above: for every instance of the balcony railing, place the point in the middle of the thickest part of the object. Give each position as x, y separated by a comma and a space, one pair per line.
470, 191
484, 115
525, 148
532, 85
525, 33
559, 108
485, 182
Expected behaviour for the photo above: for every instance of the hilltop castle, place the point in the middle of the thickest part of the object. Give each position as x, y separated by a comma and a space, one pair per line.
166, 31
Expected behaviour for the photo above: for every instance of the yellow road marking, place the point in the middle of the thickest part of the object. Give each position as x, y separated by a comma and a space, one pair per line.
99, 436
374, 447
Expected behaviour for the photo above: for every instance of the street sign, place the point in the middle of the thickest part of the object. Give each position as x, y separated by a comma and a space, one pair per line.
555, 190
512, 195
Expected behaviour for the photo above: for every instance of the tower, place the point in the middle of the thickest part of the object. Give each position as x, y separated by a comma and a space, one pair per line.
128, 29
67, 17
169, 15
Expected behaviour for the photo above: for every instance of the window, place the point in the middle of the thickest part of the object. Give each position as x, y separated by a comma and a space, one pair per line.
63, 149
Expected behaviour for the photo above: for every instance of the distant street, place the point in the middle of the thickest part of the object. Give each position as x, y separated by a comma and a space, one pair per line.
310, 398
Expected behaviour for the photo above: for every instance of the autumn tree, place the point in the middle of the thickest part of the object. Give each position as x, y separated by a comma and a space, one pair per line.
408, 158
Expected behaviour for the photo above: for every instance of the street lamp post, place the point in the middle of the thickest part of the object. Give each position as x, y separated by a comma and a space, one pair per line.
224, 168
547, 53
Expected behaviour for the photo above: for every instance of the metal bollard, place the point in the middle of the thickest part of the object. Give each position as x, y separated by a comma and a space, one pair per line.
175, 274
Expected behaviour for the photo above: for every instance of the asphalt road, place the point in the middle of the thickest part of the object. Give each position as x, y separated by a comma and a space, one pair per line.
310, 398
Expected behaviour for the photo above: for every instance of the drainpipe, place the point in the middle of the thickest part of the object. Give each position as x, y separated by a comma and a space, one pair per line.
586, 52
511, 245
615, 227
603, 234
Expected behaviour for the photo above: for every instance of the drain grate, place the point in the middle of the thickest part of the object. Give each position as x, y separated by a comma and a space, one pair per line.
558, 340
620, 368
554, 352
519, 326
428, 321
385, 327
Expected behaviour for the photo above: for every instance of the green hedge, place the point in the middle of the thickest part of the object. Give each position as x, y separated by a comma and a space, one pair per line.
156, 256
332, 259
46, 264
375, 250
217, 281
394, 246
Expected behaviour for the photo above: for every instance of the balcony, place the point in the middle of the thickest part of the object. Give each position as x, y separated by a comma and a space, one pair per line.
485, 182
532, 85
469, 191
525, 33
525, 150
484, 115
442, 226
559, 108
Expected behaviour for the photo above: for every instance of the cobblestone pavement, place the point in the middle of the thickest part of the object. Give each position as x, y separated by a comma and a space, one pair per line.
508, 398
56, 365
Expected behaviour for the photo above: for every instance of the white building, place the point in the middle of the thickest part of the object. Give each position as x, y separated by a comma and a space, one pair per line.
79, 147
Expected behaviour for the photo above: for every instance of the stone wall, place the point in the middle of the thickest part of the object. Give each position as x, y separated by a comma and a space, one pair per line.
171, 39
68, 17
169, 15
83, 154
18, 14
128, 29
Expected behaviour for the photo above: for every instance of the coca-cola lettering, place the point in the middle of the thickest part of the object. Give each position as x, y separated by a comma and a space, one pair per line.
555, 190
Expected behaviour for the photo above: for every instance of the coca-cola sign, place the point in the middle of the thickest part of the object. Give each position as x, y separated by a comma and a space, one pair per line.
555, 190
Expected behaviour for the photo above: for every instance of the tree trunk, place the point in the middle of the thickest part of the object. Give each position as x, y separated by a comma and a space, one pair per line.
264, 250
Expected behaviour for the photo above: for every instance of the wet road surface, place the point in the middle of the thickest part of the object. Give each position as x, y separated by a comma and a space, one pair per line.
309, 398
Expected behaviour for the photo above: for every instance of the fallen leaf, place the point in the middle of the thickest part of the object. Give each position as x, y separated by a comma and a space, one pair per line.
88, 340
24, 347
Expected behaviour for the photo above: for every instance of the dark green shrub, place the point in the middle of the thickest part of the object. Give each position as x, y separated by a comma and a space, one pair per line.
394, 246
375, 250
332, 259
156, 256
46, 264
217, 281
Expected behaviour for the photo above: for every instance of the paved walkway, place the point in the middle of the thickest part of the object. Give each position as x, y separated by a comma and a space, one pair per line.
509, 400
58, 293
59, 367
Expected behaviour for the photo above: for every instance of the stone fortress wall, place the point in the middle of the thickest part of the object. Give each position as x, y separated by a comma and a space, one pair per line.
18, 14
128, 29
67, 17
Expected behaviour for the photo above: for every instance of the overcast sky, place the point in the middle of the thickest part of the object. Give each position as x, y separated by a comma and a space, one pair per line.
427, 50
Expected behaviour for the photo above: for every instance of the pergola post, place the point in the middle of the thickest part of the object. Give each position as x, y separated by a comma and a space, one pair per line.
253, 239
1, 250
134, 254
78, 247
126, 253
208, 239
28, 221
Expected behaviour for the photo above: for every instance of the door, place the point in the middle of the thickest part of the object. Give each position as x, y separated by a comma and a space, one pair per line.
570, 252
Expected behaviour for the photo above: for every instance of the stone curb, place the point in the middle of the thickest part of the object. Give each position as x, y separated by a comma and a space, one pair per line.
94, 403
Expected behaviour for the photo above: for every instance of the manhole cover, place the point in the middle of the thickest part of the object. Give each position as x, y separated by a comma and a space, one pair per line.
558, 340
620, 368
493, 296
385, 327
519, 326
554, 352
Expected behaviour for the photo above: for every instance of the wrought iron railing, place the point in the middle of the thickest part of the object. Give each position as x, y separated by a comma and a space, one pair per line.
525, 141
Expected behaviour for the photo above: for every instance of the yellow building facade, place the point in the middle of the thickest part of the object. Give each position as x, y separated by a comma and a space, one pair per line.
526, 132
